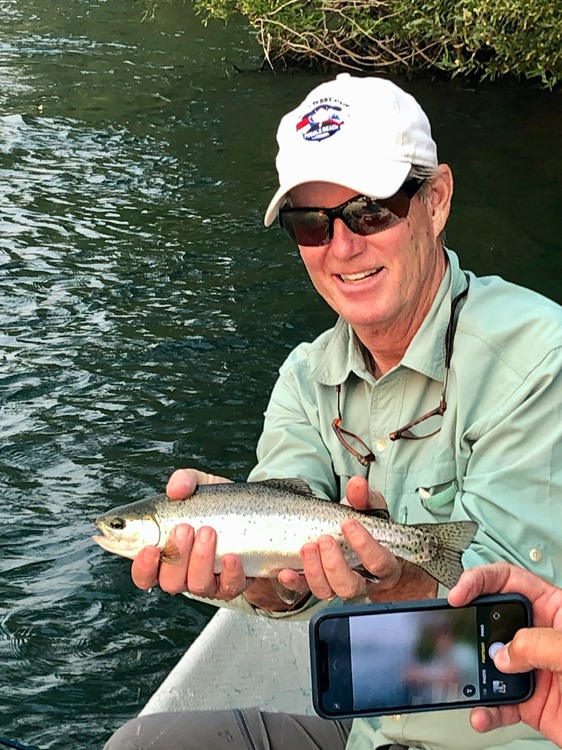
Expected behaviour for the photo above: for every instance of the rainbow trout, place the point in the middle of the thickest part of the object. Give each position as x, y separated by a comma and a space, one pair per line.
267, 523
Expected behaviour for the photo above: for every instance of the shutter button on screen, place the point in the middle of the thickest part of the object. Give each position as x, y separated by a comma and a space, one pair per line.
494, 648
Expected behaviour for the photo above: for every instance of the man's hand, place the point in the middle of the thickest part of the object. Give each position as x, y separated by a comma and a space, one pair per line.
328, 574
194, 573
539, 647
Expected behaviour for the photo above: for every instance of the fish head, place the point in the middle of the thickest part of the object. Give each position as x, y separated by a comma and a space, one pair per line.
127, 529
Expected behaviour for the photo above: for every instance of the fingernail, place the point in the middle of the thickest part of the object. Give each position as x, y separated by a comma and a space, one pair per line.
352, 527
309, 554
325, 543
181, 534
205, 534
229, 563
150, 555
501, 658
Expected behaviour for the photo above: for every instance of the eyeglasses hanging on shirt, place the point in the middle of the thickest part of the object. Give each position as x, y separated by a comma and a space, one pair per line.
418, 429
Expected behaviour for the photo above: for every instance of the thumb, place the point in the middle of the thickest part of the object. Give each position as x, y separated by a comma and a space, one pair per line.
359, 495
486, 718
531, 648
184, 482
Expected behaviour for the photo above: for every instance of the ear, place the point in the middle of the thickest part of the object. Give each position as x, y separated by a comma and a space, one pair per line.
440, 196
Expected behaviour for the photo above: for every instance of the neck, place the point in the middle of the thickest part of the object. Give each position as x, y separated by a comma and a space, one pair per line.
387, 348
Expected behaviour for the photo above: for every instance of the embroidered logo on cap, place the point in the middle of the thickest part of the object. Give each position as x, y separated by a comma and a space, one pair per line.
321, 122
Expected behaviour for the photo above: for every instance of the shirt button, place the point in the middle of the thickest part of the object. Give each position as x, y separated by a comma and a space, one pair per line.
535, 554
380, 445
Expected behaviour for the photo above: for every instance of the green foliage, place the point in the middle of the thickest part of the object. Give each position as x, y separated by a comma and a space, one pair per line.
489, 38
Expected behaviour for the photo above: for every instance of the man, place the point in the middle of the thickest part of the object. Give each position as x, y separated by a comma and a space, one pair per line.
437, 394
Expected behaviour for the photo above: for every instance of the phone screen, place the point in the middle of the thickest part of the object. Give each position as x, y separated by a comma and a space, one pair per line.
417, 659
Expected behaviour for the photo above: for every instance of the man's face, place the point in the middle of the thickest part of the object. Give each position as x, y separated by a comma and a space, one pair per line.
383, 281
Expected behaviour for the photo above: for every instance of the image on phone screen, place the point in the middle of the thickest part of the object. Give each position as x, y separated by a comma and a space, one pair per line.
430, 656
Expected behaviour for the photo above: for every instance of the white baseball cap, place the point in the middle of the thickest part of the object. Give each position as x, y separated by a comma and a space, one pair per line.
362, 133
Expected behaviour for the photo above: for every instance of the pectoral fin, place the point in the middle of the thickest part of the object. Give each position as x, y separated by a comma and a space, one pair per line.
170, 553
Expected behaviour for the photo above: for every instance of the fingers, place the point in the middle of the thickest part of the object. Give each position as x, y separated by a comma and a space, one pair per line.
500, 577
485, 719
194, 572
172, 576
377, 559
232, 579
486, 579
201, 578
327, 572
531, 648
145, 566
359, 495
294, 581
183, 482
201, 569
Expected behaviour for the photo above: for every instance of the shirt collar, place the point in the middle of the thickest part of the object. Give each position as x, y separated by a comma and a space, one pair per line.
345, 354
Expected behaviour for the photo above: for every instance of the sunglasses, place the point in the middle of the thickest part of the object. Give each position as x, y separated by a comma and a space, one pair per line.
313, 227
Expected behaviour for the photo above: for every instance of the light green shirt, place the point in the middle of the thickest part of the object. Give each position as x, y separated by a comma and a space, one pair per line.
497, 458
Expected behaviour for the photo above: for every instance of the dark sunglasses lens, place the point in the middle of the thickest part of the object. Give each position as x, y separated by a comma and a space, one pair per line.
308, 228
368, 218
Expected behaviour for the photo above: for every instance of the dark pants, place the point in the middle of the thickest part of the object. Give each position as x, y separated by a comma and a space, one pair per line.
236, 729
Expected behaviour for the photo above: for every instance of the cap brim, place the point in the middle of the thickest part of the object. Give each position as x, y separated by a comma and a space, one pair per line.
386, 182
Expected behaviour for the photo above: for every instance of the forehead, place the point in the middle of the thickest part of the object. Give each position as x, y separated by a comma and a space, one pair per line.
320, 194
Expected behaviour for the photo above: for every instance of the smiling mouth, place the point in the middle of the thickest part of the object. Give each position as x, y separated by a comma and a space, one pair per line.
351, 278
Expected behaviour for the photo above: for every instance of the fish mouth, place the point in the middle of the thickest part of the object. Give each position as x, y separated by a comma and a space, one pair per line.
117, 548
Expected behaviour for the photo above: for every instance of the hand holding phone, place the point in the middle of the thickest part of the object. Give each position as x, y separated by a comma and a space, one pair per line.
415, 656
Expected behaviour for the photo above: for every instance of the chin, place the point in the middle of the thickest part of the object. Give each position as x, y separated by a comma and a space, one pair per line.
365, 318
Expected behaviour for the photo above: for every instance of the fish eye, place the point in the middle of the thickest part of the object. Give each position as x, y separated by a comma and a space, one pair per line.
117, 523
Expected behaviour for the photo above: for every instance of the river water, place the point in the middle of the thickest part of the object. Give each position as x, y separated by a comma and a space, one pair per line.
144, 310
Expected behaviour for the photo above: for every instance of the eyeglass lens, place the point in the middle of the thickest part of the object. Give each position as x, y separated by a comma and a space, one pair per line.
313, 227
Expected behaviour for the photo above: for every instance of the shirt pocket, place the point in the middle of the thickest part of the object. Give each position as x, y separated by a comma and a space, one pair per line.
437, 488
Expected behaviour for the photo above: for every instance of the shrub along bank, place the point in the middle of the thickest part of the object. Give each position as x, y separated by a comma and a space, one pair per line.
486, 38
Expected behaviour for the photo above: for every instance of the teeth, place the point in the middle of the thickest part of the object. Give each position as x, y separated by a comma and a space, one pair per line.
358, 276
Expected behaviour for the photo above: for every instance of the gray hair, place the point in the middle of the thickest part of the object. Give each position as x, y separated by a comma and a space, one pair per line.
418, 172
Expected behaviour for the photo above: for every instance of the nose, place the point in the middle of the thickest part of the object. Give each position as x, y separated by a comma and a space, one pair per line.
345, 243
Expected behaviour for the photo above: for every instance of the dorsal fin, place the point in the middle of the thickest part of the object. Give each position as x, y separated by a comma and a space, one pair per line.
295, 485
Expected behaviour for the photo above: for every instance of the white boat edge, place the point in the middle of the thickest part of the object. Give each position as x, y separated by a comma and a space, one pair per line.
240, 661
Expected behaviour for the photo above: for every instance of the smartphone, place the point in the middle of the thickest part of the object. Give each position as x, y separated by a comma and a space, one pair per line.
404, 657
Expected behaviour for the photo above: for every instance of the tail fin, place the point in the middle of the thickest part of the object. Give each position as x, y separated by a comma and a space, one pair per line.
450, 540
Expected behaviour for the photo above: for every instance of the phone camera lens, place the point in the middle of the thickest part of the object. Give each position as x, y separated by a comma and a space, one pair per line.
469, 690
496, 615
